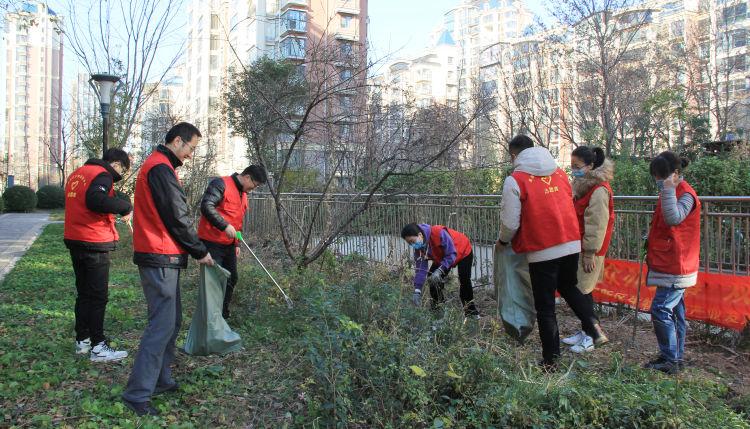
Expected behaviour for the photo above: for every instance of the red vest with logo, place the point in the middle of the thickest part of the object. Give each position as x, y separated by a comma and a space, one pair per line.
149, 233
582, 204
548, 217
82, 224
232, 208
460, 242
675, 249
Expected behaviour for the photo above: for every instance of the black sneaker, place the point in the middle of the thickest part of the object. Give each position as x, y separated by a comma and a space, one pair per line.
141, 408
166, 389
664, 365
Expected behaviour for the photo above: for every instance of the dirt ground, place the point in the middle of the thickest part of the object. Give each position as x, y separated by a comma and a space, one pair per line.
709, 355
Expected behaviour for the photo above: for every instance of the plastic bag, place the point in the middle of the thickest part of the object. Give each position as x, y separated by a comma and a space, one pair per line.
209, 333
515, 299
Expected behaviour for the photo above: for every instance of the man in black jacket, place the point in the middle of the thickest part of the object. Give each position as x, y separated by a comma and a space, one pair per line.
162, 241
90, 234
223, 209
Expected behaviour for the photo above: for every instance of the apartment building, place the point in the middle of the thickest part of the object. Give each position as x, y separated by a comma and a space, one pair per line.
32, 64
226, 33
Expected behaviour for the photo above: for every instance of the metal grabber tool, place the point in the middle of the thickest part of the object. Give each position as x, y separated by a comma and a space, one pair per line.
288, 300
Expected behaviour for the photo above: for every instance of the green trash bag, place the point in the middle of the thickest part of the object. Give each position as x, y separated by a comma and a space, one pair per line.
515, 299
209, 332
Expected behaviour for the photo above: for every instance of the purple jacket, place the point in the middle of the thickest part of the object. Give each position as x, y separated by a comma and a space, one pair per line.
421, 256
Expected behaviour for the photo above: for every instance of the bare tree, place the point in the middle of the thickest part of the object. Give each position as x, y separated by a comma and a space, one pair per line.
313, 115
600, 37
131, 39
62, 153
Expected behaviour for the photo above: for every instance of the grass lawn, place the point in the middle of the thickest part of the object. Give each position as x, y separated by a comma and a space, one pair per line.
56, 215
352, 353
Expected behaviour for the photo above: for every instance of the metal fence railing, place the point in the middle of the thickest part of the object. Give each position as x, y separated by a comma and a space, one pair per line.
375, 234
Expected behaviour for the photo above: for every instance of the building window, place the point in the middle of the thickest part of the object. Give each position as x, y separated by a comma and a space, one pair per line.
736, 63
214, 62
346, 49
345, 74
214, 43
213, 83
293, 47
735, 13
346, 21
215, 21
450, 60
678, 28
294, 20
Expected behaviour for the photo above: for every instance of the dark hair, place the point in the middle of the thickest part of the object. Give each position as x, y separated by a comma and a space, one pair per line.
184, 131
667, 163
257, 173
519, 143
410, 230
589, 156
116, 154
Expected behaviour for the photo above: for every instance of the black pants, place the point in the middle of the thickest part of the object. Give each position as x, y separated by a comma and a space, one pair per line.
224, 255
466, 292
558, 274
92, 286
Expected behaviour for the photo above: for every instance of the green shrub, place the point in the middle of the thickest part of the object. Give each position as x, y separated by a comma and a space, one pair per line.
50, 197
2, 204
709, 176
20, 199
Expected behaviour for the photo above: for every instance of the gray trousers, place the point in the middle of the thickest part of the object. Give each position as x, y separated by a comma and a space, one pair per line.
161, 287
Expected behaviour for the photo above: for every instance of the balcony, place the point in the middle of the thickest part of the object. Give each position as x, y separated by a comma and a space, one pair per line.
347, 34
348, 7
293, 48
293, 3
293, 21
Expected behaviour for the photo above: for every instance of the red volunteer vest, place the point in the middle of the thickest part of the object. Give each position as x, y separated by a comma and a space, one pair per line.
82, 224
675, 249
149, 233
582, 204
460, 242
548, 217
232, 208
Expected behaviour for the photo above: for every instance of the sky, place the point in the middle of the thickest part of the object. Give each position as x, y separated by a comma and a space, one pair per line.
402, 27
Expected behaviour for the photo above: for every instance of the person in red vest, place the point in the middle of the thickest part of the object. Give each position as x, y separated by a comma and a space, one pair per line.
538, 218
446, 248
162, 240
223, 209
90, 234
672, 257
594, 203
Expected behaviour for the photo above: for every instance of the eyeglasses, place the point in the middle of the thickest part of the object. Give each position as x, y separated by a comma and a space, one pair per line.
192, 148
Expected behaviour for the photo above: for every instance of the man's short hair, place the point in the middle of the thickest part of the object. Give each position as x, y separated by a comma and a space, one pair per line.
185, 131
257, 173
519, 143
115, 154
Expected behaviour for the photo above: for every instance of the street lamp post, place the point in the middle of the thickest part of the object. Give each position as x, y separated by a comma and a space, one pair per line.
104, 87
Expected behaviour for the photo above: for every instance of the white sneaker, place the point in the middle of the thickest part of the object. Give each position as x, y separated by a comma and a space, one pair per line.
83, 346
586, 345
574, 339
104, 353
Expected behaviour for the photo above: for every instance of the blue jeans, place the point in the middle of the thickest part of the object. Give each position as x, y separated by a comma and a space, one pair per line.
668, 316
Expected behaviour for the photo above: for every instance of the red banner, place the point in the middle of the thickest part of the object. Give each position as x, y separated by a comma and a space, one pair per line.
718, 299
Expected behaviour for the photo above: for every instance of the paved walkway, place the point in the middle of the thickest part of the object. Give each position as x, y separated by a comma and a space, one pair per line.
17, 232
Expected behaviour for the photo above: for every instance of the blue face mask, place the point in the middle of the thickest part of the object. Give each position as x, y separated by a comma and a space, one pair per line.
577, 173
660, 185
418, 245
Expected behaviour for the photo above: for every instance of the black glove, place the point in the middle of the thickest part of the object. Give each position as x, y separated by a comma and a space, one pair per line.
437, 276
